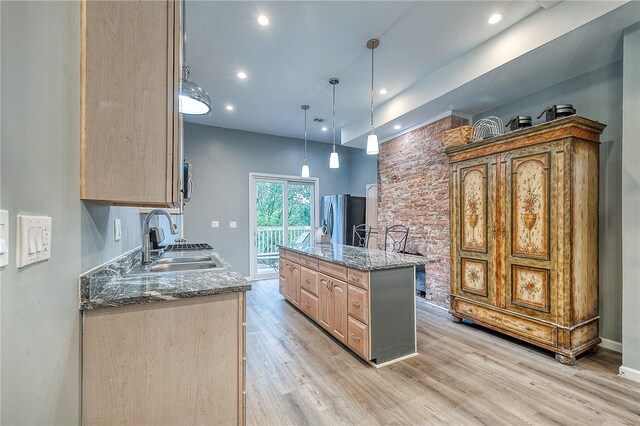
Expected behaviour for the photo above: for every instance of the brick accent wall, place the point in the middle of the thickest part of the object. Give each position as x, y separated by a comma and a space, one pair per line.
413, 190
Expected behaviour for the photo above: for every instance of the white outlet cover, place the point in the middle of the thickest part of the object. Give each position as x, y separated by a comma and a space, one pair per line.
33, 242
215, 224
4, 238
117, 230
233, 224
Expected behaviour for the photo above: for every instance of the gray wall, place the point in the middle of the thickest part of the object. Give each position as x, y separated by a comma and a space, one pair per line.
596, 95
631, 202
222, 160
364, 171
40, 173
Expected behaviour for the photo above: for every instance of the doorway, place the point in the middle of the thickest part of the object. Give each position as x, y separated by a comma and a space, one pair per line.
282, 210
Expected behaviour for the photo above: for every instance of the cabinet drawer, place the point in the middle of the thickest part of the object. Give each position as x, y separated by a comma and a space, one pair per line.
309, 262
358, 339
309, 304
292, 256
359, 278
333, 269
309, 280
358, 300
527, 328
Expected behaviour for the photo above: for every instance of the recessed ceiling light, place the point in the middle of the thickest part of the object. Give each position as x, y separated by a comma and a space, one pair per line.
229, 108
242, 75
383, 91
495, 18
324, 129
397, 127
263, 20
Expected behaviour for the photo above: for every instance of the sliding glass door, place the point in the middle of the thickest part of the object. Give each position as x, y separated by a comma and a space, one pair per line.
282, 211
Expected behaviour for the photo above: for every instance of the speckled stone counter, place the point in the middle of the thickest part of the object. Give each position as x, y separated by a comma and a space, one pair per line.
112, 284
358, 257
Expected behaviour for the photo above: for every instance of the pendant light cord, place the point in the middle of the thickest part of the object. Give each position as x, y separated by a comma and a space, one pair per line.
334, 82
185, 67
372, 93
305, 134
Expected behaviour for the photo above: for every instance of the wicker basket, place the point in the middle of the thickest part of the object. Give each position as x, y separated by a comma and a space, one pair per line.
458, 136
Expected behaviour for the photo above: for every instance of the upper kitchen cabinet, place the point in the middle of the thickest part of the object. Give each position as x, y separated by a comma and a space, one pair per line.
131, 131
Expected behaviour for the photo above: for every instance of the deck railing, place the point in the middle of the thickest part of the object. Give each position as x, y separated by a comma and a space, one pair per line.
269, 237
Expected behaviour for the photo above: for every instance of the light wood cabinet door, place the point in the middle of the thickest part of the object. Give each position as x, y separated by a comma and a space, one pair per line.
325, 302
475, 229
339, 313
130, 126
294, 284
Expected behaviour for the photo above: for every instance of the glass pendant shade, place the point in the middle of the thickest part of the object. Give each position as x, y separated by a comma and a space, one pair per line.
305, 170
334, 161
372, 144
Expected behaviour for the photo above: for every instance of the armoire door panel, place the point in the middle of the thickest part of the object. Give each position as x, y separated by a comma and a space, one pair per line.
530, 214
530, 288
473, 208
473, 278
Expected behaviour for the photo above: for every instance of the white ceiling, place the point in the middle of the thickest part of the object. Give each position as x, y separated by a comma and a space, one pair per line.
290, 61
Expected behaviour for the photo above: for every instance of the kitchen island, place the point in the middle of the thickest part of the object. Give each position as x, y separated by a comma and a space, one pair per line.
163, 348
365, 298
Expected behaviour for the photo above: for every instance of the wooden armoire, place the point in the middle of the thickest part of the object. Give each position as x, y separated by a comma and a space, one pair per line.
524, 234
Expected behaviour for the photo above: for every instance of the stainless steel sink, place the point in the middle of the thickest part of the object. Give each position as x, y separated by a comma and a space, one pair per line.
179, 263
186, 259
182, 266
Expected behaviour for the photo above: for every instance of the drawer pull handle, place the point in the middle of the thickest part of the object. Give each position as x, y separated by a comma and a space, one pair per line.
528, 328
356, 279
355, 305
353, 336
307, 305
308, 282
469, 310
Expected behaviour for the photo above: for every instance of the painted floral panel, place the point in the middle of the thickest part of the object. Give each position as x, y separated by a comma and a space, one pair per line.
531, 206
474, 276
474, 208
530, 288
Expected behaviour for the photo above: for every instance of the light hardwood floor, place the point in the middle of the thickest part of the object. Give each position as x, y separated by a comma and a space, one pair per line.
298, 374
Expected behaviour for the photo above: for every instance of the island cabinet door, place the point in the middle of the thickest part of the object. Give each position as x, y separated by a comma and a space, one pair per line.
294, 284
325, 301
339, 314
475, 229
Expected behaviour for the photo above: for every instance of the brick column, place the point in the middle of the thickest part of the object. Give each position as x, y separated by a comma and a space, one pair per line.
413, 190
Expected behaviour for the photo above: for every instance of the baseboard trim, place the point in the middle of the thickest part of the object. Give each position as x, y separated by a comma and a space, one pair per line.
611, 344
629, 373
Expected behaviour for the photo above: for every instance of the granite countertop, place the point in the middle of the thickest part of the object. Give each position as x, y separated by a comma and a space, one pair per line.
113, 284
358, 257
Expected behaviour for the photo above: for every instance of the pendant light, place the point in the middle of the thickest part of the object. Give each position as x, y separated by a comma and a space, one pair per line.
334, 161
305, 166
192, 99
372, 140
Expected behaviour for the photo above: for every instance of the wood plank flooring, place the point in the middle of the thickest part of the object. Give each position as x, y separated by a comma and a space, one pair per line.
299, 375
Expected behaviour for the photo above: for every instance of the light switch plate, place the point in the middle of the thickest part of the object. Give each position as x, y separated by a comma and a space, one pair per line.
33, 243
4, 238
233, 224
215, 224
117, 230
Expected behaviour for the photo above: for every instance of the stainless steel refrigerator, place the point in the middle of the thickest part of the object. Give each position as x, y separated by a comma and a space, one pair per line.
340, 213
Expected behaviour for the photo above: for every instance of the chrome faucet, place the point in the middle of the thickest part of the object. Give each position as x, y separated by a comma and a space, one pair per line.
146, 241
